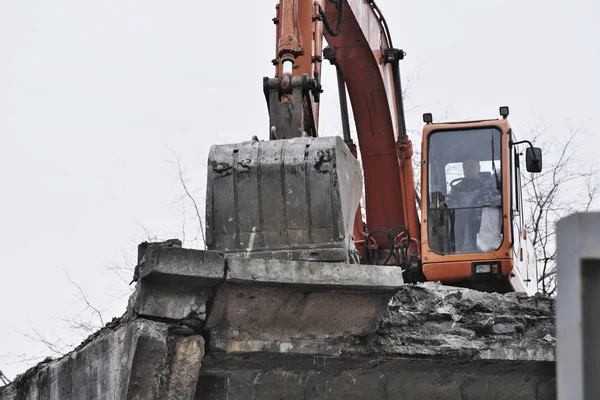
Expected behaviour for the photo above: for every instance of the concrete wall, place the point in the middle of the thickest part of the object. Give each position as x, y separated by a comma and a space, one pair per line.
432, 343
189, 334
384, 379
136, 360
97, 371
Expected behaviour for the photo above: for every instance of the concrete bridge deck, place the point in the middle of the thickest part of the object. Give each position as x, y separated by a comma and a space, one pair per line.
202, 327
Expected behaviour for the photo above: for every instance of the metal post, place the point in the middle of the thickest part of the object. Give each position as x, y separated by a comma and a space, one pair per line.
343, 103
578, 307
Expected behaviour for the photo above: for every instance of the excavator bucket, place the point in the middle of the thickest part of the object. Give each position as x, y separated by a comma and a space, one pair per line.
289, 199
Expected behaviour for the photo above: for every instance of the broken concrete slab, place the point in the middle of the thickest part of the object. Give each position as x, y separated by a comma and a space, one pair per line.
185, 266
270, 336
418, 322
170, 301
251, 312
464, 323
431, 343
313, 253
314, 275
176, 283
270, 304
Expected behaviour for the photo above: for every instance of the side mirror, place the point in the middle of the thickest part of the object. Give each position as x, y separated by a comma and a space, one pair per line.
533, 159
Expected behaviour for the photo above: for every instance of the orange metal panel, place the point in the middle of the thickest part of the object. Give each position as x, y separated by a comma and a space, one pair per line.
317, 51
277, 20
405, 153
433, 259
459, 270
305, 29
369, 80
389, 180
290, 41
299, 37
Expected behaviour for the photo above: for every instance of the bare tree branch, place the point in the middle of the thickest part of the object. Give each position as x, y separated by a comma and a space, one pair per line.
12, 358
4, 378
187, 192
85, 299
148, 235
55, 345
190, 197
80, 325
550, 196
183, 226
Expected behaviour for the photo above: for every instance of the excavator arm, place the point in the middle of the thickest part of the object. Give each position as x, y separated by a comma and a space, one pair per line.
360, 46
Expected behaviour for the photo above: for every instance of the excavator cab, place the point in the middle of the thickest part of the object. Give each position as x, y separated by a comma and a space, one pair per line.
464, 191
471, 206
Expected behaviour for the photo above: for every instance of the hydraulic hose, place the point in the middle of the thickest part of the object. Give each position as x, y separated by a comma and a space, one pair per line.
340, 9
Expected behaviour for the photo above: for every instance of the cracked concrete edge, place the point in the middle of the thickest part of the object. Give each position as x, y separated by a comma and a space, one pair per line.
320, 275
110, 351
307, 347
348, 348
176, 283
209, 268
186, 360
137, 360
434, 305
182, 265
421, 322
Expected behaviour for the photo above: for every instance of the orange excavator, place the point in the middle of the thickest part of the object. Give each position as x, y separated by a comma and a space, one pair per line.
297, 196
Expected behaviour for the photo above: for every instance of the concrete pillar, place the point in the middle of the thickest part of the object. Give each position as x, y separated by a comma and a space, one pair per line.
577, 307
185, 368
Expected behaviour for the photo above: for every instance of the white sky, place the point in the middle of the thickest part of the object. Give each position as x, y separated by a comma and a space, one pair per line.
96, 96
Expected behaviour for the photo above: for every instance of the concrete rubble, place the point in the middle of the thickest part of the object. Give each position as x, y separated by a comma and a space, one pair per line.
435, 321
202, 326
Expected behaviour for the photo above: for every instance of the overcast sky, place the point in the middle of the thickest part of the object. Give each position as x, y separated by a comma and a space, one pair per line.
97, 98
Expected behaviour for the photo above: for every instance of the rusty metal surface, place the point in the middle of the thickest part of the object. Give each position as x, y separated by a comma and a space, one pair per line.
289, 100
287, 198
359, 50
306, 31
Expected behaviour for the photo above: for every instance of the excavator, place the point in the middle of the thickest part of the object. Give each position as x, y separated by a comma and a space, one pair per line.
297, 196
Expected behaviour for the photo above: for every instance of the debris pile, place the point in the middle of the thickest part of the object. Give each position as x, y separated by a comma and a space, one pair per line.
432, 320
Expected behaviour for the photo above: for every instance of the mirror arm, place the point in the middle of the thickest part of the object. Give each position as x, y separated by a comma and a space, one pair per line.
511, 143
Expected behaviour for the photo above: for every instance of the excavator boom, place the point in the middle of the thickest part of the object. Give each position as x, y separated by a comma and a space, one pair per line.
360, 47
